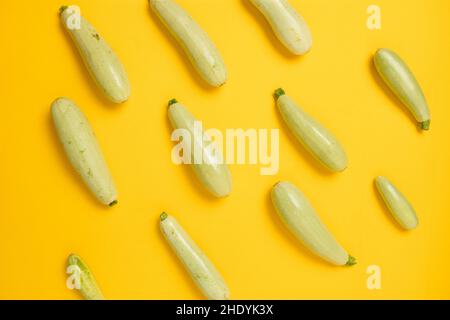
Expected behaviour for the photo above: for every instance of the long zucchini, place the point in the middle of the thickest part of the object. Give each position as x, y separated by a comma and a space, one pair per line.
320, 142
400, 79
301, 219
102, 63
288, 25
212, 171
83, 150
89, 288
201, 51
200, 268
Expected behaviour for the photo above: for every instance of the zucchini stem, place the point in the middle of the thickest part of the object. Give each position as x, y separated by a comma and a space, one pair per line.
62, 9
114, 203
172, 102
351, 261
425, 125
163, 216
278, 93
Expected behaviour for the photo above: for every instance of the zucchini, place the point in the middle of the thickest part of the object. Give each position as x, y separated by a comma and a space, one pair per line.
88, 286
288, 25
200, 268
400, 79
195, 42
102, 63
301, 219
399, 206
82, 149
212, 172
315, 138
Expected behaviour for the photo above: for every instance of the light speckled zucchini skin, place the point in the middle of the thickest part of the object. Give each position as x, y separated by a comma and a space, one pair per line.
399, 78
102, 63
301, 219
320, 142
399, 206
200, 268
213, 174
82, 149
89, 288
201, 51
288, 25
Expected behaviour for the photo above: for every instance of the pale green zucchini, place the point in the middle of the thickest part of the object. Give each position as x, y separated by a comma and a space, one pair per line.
399, 206
399, 78
213, 173
88, 286
82, 149
314, 137
102, 63
301, 219
199, 267
201, 51
288, 25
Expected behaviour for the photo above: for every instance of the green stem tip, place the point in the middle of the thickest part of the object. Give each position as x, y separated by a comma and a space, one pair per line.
425, 125
62, 9
114, 203
72, 259
163, 216
278, 93
172, 102
351, 261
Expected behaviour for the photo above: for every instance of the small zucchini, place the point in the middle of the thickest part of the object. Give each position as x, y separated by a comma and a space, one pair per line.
195, 42
211, 171
200, 268
82, 149
288, 25
399, 206
102, 63
301, 219
88, 286
314, 137
399, 78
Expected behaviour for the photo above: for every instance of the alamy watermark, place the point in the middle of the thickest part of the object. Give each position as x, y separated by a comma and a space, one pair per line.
374, 278
374, 19
73, 20
236, 146
73, 281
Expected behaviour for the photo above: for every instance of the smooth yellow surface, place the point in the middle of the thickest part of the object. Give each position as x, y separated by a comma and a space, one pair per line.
46, 213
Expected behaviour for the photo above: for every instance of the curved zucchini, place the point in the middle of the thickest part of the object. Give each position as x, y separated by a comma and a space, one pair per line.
200, 268
89, 288
399, 78
399, 206
314, 137
195, 42
102, 63
301, 219
288, 25
82, 149
212, 171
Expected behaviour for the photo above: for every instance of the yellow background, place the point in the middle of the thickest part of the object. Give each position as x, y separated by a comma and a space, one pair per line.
46, 213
